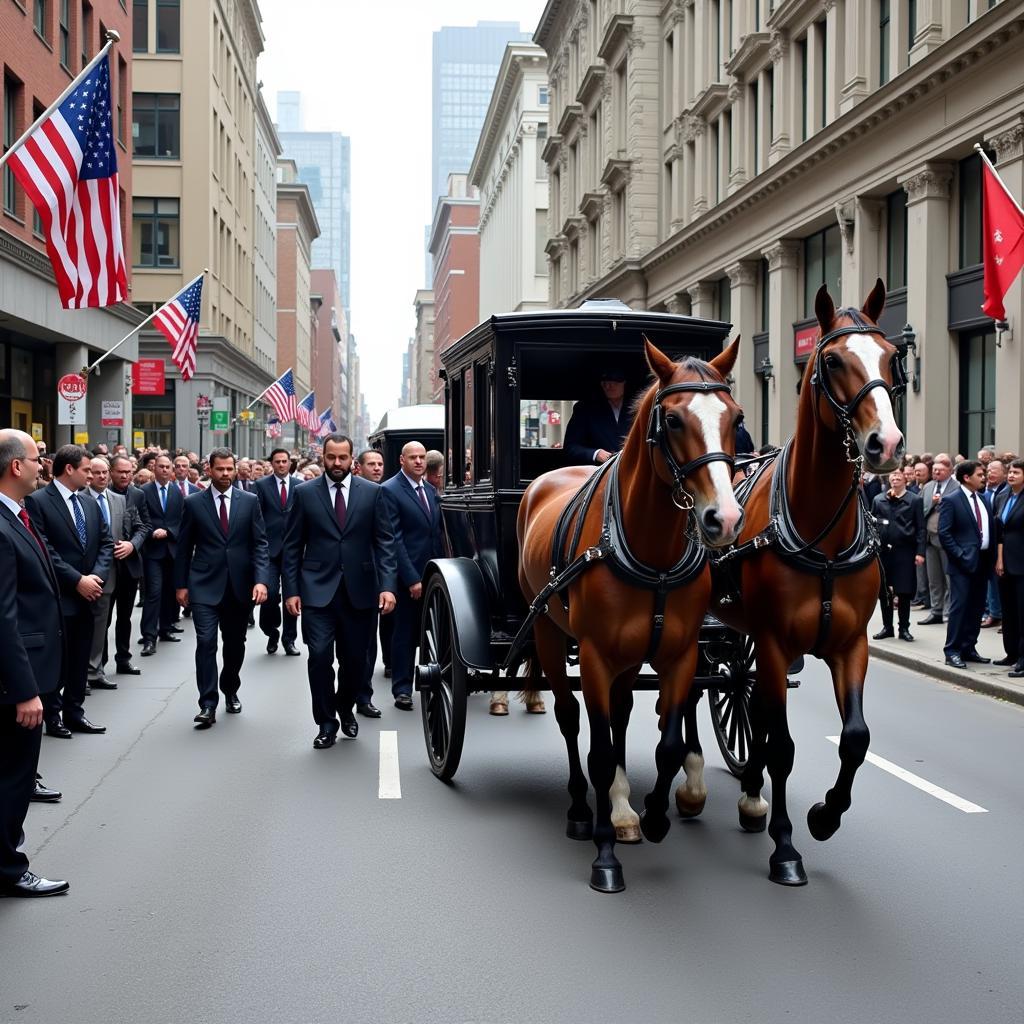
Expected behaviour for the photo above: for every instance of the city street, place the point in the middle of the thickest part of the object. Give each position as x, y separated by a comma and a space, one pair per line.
238, 875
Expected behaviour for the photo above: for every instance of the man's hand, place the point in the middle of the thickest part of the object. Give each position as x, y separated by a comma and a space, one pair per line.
1000, 568
936, 497
259, 593
29, 713
416, 590
159, 534
90, 587
386, 601
123, 549
293, 605
182, 597
602, 456
918, 559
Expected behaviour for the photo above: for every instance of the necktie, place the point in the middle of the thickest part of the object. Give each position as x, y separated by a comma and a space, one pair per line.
224, 515
79, 519
163, 497
1008, 507
102, 499
423, 499
284, 494
977, 515
23, 516
181, 487
339, 505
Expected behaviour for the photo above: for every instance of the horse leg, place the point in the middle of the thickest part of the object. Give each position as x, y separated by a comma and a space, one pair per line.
550, 644
848, 671
692, 793
753, 808
624, 818
606, 871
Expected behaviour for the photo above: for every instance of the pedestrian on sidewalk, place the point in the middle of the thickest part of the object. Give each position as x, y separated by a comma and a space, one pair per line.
899, 517
935, 557
1009, 516
995, 484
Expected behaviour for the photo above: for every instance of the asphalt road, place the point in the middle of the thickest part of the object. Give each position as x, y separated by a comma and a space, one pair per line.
237, 875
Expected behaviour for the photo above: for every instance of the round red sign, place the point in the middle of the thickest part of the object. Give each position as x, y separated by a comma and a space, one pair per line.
71, 387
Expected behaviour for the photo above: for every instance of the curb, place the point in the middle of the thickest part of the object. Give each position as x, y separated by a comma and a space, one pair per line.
958, 677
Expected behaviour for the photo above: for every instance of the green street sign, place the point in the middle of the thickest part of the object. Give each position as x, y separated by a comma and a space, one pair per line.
219, 420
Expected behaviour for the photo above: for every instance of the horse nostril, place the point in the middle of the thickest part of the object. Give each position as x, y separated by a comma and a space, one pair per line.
711, 522
873, 448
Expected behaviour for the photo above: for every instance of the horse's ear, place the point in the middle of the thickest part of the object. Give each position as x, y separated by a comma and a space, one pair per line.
726, 359
824, 309
661, 366
875, 302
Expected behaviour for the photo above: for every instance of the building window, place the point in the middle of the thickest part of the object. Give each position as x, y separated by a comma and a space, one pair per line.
724, 288
140, 26
823, 264
40, 17
12, 94
621, 108
911, 23
540, 266
168, 26
754, 120
970, 210
156, 125
883, 41
86, 31
896, 242
765, 294
155, 240
542, 141
821, 27
542, 95
801, 49
977, 390
65, 33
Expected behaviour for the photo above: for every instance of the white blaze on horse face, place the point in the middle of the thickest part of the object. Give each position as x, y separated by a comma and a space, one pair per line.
708, 409
870, 356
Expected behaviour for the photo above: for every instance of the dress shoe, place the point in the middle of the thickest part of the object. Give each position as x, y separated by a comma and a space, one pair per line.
368, 710
168, 638
1005, 661
930, 620
205, 718
187, 613
30, 885
175, 629
325, 737
977, 658
349, 725
1017, 672
232, 705
387, 671
148, 649
919, 605
127, 670
55, 727
42, 795
883, 634
272, 645
404, 702
84, 725
956, 661
290, 649
102, 684
988, 622
905, 634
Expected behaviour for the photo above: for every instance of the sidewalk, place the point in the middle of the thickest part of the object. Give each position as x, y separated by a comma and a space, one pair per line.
925, 656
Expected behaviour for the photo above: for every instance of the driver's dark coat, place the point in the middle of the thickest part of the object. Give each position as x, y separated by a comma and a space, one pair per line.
900, 523
592, 426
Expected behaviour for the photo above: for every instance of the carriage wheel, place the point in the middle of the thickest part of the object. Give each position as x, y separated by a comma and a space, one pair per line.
730, 707
442, 678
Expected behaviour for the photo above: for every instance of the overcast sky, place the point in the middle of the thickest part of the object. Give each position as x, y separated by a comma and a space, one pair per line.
363, 69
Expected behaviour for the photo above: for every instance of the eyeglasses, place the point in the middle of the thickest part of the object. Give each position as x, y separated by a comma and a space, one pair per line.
26, 458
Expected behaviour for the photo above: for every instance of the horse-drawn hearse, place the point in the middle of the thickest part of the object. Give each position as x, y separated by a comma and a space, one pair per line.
398, 426
553, 564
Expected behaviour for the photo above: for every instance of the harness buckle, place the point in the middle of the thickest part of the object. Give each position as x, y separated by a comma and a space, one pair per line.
826, 607
762, 540
659, 621
593, 554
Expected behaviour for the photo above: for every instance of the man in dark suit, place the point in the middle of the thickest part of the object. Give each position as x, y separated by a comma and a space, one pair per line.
83, 559
30, 617
598, 426
182, 465
276, 494
967, 532
127, 564
370, 466
159, 609
936, 563
243, 478
338, 568
416, 523
1009, 517
995, 484
221, 570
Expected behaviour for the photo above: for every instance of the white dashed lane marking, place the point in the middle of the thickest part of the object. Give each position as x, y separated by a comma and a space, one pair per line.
390, 785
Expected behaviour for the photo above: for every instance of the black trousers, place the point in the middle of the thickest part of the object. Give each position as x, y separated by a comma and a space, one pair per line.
387, 631
231, 616
19, 759
159, 608
966, 607
365, 693
271, 612
1011, 593
70, 697
404, 640
337, 631
125, 590
903, 610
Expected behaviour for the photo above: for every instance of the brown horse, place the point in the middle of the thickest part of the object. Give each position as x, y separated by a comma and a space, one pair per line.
675, 463
810, 584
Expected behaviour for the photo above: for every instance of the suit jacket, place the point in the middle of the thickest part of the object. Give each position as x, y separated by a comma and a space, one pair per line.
30, 615
118, 509
900, 523
930, 508
161, 520
268, 491
207, 562
72, 561
191, 488
318, 555
417, 534
244, 485
592, 426
1011, 533
137, 528
958, 531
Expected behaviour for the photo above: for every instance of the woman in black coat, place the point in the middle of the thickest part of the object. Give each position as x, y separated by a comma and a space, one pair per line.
899, 517
1009, 517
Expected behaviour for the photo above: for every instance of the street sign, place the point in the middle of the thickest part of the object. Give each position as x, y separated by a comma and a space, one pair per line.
71, 387
220, 415
81, 437
37, 431
71, 399
138, 439
112, 414
204, 404
148, 377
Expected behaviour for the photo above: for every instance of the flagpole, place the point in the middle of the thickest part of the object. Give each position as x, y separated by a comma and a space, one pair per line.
113, 36
86, 370
991, 167
266, 389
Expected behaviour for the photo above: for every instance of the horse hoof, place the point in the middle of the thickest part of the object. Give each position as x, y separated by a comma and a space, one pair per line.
581, 830
607, 879
821, 823
654, 826
788, 872
689, 808
627, 833
753, 823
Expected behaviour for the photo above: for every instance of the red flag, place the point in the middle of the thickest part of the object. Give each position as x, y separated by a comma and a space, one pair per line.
1002, 225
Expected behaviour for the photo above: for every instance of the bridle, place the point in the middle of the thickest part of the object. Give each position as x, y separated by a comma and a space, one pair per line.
657, 437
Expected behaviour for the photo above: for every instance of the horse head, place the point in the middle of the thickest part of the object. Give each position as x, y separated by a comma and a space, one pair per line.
854, 376
693, 426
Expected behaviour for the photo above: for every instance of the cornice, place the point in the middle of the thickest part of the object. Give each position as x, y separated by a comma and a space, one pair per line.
783, 254
591, 84
616, 174
616, 34
571, 115
573, 227
592, 205
554, 247
743, 273
932, 181
711, 101
752, 50
549, 154
1008, 142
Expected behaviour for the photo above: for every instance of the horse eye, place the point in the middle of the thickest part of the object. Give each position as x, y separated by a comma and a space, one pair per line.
833, 362
672, 421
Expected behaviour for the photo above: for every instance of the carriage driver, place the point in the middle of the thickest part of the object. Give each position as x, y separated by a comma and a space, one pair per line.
598, 426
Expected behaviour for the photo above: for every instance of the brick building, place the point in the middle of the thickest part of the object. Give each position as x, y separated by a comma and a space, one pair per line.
330, 347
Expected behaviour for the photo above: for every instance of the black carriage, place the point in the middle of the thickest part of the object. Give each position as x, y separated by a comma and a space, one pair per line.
399, 426
509, 389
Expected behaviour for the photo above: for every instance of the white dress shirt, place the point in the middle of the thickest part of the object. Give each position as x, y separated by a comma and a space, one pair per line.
66, 495
335, 487
986, 526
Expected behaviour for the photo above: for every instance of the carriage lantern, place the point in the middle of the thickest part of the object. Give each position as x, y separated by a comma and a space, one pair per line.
766, 369
909, 339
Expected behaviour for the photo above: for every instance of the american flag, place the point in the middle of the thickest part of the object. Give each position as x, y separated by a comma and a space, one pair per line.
273, 428
281, 395
68, 168
327, 425
306, 414
178, 322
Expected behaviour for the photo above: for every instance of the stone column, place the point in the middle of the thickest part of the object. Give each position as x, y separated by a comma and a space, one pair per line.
834, 59
702, 299
783, 88
700, 178
929, 29
70, 358
743, 279
815, 64
783, 303
855, 77
930, 426
861, 267
108, 386
1009, 147
701, 48
678, 97
738, 97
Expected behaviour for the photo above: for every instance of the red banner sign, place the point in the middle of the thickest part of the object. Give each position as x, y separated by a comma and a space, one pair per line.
804, 340
72, 387
148, 377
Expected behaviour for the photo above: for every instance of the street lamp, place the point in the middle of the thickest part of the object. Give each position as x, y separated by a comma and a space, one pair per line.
766, 369
909, 339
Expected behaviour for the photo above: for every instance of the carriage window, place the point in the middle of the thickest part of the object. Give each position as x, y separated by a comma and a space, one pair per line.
542, 423
468, 409
454, 454
482, 454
